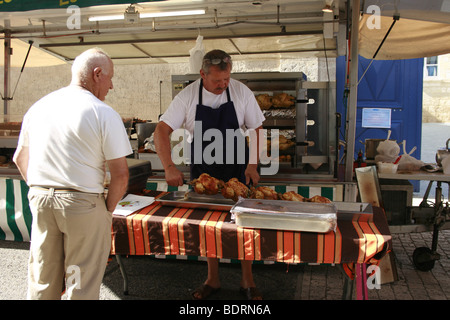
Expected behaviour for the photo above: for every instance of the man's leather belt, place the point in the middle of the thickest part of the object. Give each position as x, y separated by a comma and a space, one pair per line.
57, 190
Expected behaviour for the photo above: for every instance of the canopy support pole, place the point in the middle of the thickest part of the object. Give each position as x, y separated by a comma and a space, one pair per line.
396, 18
7, 68
353, 95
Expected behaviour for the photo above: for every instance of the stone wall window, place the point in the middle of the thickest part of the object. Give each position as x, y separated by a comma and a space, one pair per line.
431, 66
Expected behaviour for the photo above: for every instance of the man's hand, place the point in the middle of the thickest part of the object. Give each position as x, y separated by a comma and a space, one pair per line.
251, 174
174, 177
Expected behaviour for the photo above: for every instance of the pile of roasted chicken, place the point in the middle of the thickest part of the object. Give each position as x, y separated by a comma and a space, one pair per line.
233, 189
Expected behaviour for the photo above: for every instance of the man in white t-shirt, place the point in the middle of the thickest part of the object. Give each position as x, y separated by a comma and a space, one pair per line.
219, 106
66, 139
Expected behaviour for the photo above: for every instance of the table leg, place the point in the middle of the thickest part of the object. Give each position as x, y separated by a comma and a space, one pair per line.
438, 217
347, 291
424, 202
123, 272
423, 257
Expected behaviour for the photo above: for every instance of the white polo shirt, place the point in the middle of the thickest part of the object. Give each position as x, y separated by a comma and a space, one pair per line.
181, 112
70, 134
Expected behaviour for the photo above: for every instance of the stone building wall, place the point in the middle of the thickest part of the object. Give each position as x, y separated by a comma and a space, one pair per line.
142, 91
436, 93
145, 91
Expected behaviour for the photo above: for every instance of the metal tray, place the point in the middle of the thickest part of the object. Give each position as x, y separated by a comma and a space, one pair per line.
285, 215
354, 210
190, 199
353, 207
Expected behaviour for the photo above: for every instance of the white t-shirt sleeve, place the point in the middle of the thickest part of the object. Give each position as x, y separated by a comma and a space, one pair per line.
23, 136
115, 139
175, 115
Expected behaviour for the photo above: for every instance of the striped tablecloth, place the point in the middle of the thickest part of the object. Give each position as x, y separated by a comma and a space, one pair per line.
165, 230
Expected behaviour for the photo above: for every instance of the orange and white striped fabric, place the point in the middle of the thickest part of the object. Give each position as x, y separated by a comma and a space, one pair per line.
165, 230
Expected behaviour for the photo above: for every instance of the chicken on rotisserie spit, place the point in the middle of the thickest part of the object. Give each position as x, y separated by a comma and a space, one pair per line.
205, 184
233, 189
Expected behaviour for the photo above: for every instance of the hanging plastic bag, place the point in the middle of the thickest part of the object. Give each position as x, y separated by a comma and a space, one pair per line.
408, 162
196, 55
149, 143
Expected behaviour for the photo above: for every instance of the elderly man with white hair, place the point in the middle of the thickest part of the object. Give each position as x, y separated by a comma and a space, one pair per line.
67, 138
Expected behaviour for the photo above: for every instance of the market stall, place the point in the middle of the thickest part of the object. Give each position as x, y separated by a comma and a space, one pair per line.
247, 31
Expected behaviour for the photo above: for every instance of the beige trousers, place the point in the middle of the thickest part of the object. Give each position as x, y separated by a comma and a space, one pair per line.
70, 242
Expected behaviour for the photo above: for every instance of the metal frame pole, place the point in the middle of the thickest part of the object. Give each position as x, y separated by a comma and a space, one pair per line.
7, 68
353, 80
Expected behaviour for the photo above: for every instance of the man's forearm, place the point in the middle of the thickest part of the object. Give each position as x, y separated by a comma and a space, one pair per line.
254, 147
118, 169
162, 144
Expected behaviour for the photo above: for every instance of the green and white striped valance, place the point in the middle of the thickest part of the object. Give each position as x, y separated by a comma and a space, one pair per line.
15, 214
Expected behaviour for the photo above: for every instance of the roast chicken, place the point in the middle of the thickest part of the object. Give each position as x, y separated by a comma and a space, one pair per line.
264, 101
233, 189
264, 193
319, 199
205, 184
292, 196
283, 100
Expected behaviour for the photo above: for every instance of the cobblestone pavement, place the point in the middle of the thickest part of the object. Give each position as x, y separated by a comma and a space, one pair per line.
164, 279
412, 284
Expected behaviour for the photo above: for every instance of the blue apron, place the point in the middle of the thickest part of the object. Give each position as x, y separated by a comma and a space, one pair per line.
222, 118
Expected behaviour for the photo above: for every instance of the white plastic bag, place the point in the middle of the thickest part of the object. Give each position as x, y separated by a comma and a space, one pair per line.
149, 143
408, 162
384, 158
196, 55
387, 150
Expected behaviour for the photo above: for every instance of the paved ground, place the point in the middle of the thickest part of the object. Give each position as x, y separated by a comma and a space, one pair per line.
155, 279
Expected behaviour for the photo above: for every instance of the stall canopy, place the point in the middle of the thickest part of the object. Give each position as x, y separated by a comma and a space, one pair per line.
36, 57
28, 5
417, 29
245, 29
